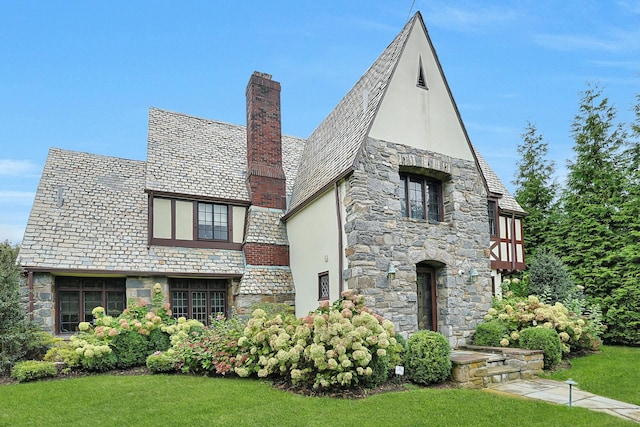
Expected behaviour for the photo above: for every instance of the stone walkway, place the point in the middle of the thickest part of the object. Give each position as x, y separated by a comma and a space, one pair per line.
558, 392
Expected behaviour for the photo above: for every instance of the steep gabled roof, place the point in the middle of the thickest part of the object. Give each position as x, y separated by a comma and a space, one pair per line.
330, 152
202, 157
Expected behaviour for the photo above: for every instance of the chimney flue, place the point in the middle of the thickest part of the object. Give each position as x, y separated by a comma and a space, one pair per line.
265, 175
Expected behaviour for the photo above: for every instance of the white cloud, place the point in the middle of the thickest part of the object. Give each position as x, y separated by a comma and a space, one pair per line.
469, 17
17, 167
16, 197
615, 40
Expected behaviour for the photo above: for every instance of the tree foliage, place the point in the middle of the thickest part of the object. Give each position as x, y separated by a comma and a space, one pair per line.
596, 227
549, 278
536, 191
18, 336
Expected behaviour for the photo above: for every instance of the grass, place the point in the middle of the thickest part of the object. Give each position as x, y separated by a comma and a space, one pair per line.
151, 400
614, 372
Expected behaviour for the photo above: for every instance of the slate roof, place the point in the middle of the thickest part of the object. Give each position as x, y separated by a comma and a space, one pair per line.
507, 202
332, 149
90, 213
196, 156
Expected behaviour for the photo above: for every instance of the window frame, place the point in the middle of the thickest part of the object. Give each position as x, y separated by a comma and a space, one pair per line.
63, 285
322, 295
493, 222
195, 241
228, 218
426, 185
192, 287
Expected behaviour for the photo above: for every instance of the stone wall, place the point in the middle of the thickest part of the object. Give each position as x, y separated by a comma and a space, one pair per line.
378, 234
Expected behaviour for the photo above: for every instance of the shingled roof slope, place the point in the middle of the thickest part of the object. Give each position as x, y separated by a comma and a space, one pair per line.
507, 202
202, 157
331, 150
90, 214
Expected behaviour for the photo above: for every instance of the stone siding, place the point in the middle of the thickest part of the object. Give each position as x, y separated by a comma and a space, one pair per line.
378, 234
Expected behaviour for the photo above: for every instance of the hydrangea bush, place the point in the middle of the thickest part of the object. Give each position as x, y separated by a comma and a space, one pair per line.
124, 341
335, 346
576, 331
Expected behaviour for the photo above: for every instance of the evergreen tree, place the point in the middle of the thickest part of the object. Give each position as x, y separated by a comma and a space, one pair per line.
622, 306
18, 336
535, 189
589, 230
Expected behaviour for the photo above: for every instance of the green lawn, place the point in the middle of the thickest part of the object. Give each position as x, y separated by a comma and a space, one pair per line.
166, 400
614, 372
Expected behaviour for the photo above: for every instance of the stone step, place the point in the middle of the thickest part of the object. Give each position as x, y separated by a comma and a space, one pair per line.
504, 373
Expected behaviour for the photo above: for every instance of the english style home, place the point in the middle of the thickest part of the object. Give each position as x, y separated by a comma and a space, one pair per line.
387, 197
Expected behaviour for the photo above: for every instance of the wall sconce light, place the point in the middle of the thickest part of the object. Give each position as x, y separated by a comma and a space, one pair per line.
391, 272
474, 274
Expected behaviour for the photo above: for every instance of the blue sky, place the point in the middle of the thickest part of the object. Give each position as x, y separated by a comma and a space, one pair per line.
81, 75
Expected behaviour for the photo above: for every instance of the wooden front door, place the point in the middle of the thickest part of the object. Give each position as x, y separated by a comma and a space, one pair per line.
426, 287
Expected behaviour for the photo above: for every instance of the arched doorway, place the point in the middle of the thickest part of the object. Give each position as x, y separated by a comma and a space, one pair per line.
426, 290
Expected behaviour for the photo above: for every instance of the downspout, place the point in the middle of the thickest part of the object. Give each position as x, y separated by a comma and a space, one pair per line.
340, 251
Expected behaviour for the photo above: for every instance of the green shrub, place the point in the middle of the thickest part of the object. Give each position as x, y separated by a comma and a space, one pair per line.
549, 278
543, 339
159, 340
379, 371
427, 358
490, 333
131, 349
31, 370
63, 352
162, 361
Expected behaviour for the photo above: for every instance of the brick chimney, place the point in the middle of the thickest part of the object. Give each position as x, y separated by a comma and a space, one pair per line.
265, 176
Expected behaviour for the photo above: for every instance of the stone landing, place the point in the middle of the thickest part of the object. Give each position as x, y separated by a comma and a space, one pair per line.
478, 367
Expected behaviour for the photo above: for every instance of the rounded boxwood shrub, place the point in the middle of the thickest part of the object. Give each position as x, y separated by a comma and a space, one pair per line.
131, 349
33, 370
490, 333
543, 339
427, 358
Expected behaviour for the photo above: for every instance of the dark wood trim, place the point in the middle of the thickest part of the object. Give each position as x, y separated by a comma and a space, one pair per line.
211, 244
424, 179
149, 219
124, 273
496, 216
340, 243
421, 268
188, 197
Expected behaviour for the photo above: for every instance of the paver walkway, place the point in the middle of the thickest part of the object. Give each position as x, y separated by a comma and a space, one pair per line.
558, 392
